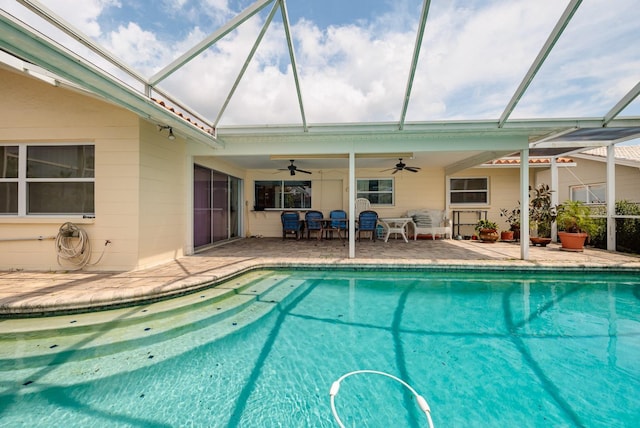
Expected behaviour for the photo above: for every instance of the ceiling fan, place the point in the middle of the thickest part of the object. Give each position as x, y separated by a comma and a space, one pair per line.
400, 166
292, 169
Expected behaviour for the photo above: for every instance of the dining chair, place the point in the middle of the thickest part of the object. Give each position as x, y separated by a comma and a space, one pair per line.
338, 223
313, 220
362, 204
291, 224
367, 222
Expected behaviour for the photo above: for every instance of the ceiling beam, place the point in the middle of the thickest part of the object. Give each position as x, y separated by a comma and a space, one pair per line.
414, 61
474, 161
207, 42
625, 101
542, 56
292, 56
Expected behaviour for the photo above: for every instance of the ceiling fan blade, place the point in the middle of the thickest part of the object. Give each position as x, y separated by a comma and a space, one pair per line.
388, 169
292, 171
302, 170
395, 170
412, 168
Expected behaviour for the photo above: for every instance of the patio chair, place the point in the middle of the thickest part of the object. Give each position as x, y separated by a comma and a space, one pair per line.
291, 224
338, 223
362, 204
367, 222
313, 220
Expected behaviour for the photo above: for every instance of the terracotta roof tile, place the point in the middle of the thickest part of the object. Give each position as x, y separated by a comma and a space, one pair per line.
182, 116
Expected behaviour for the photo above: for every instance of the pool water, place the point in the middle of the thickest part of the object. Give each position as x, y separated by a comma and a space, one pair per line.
483, 348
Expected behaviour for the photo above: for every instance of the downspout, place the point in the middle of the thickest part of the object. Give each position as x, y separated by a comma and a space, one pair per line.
524, 210
611, 197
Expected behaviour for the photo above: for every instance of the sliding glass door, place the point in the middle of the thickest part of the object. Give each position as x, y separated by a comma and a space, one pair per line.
215, 206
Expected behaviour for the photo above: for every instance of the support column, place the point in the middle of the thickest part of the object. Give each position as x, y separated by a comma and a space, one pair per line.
554, 195
352, 205
524, 204
611, 197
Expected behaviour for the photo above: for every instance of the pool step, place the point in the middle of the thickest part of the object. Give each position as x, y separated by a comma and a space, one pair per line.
26, 343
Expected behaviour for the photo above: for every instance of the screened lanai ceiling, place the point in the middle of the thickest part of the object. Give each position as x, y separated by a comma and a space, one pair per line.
399, 69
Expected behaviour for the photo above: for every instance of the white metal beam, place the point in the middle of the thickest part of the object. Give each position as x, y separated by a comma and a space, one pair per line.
524, 204
620, 105
206, 43
28, 44
414, 61
76, 34
266, 25
474, 161
292, 56
542, 56
611, 197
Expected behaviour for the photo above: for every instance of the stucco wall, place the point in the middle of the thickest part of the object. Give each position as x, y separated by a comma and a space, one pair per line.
425, 189
34, 111
162, 195
594, 172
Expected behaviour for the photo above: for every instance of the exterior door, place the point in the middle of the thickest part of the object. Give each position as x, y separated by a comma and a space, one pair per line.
216, 198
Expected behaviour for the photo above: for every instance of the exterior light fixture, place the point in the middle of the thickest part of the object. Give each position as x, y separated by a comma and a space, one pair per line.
163, 127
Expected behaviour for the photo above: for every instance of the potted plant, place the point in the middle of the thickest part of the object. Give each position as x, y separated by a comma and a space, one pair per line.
487, 230
541, 214
576, 225
513, 220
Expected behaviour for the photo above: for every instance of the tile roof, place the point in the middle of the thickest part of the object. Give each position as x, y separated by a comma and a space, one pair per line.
631, 153
181, 115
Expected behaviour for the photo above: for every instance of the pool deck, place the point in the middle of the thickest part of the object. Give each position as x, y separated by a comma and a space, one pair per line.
26, 294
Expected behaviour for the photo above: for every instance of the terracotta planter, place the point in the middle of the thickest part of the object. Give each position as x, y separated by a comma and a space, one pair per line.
539, 241
506, 235
572, 241
488, 235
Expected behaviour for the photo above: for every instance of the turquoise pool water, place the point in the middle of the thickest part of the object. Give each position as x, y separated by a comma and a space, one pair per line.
485, 349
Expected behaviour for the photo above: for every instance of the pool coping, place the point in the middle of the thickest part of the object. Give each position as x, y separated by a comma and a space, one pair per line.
104, 293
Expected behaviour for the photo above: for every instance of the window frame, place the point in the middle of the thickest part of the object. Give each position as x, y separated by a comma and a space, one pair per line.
364, 194
280, 198
23, 181
589, 192
486, 191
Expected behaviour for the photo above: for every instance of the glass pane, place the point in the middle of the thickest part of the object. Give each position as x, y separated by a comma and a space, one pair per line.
579, 193
598, 194
469, 198
60, 198
60, 161
380, 198
8, 161
267, 194
297, 194
469, 184
8, 198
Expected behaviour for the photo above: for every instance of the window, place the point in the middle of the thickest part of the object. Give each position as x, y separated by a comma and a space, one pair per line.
469, 190
41, 180
282, 194
377, 191
589, 193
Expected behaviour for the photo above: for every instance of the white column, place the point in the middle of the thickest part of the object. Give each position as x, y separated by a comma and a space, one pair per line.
611, 197
352, 205
554, 195
524, 204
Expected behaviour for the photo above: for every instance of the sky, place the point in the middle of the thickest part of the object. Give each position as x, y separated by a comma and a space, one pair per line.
353, 56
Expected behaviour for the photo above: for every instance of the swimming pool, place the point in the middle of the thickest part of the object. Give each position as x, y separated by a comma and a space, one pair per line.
483, 348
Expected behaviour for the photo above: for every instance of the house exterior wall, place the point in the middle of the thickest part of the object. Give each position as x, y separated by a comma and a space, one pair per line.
139, 180
594, 172
504, 192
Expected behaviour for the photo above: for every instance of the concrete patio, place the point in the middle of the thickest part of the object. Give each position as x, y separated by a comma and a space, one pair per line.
48, 293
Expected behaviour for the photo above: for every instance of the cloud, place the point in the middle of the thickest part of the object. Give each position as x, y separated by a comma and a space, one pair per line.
473, 57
